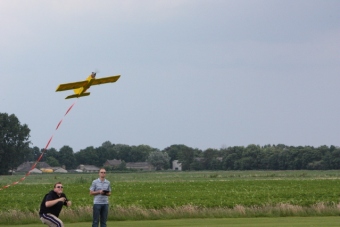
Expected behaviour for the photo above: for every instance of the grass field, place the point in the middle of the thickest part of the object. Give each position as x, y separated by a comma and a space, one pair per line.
180, 195
219, 222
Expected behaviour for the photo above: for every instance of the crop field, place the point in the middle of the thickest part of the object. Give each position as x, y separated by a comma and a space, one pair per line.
168, 195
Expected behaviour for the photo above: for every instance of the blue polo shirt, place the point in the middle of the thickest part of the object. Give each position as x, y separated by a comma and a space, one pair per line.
100, 185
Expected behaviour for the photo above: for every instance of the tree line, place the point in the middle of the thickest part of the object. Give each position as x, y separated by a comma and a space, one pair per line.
15, 149
251, 157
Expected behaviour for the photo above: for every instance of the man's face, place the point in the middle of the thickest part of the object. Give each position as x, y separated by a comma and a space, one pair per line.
58, 188
102, 173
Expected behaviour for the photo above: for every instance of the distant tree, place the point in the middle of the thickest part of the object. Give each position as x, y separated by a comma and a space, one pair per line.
230, 157
14, 143
186, 157
316, 165
210, 156
309, 155
29, 155
160, 160
141, 153
103, 154
67, 158
197, 165
272, 159
332, 148
246, 163
52, 161
52, 152
35, 153
173, 152
124, 152
107, 144
111, 151
335, 159
251, 157
182, 153
87, 156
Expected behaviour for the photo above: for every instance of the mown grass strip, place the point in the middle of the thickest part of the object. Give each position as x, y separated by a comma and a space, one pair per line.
218, 222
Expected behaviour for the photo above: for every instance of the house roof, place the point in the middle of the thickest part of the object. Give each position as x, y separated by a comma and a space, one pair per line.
114, 162
60, 170
88, 167
75, 171
27, 166
137, 164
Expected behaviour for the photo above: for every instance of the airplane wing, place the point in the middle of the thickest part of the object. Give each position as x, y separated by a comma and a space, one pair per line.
70, 86
110, 79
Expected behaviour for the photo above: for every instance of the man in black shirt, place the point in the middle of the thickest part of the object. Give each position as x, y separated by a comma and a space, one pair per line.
51, 206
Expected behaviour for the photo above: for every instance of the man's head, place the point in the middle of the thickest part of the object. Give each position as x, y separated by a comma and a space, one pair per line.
102, 173
58, 188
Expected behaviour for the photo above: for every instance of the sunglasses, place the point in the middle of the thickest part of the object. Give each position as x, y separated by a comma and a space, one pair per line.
59, 187
102, 172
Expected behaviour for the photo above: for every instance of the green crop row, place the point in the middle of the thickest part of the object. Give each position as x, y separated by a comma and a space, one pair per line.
156, 195
168, 195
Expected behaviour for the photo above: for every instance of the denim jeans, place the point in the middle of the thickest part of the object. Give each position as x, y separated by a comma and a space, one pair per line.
100, 212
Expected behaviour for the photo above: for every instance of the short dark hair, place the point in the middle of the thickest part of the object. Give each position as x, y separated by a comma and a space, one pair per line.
57, 183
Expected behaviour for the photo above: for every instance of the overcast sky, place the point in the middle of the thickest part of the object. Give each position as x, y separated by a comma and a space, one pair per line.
206, 74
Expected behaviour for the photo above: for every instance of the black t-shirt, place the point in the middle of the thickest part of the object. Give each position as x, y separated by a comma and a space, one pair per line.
56, 208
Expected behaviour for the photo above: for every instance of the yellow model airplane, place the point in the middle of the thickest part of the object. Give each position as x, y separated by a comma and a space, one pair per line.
80, 87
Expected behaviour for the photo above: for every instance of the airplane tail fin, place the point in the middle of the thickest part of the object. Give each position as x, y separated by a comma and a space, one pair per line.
77, 96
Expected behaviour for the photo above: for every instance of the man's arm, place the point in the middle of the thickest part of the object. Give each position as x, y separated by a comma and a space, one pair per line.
68, 203
53, 202
109, 193
97, 192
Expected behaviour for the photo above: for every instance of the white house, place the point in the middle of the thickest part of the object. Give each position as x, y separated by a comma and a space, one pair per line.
89, 168
60, 170
35, 170
176, 165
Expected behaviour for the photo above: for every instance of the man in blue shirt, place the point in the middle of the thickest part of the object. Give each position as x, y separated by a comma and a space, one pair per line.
100, 189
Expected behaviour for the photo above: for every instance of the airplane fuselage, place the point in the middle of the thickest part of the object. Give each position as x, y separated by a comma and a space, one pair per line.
81, 90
